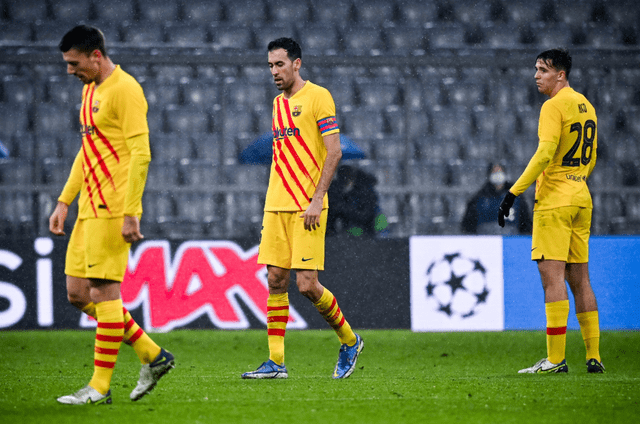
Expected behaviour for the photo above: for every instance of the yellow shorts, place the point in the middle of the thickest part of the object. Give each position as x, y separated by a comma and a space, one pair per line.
286, 244
561, 234
97, 250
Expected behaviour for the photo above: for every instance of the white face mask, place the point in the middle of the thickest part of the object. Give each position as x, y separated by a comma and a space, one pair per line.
498, 178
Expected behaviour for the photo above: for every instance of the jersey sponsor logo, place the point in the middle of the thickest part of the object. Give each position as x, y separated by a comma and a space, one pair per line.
297, 110
87, 129
202, 278
279, 133
576, 178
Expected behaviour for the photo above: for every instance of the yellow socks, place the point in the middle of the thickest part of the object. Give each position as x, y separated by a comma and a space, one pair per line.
108, 340
329, 309
277, 318
146, 349
557, 316
590, 328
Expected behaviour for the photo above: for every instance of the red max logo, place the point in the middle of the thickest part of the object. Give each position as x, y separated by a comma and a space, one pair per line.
203, 278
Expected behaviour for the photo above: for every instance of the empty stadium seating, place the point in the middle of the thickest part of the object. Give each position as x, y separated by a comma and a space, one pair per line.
422, 126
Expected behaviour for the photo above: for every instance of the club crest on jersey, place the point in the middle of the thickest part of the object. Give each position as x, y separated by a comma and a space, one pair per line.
96, 106
297, 110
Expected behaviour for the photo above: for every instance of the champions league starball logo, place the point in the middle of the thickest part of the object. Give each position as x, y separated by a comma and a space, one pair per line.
457, 285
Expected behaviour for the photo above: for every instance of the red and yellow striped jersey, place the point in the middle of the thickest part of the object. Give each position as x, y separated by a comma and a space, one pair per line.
299, 125
112, 115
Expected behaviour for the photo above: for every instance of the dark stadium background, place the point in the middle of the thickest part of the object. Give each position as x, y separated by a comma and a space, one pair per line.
432, 91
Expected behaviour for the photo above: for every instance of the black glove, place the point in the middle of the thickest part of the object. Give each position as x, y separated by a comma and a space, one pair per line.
505, 207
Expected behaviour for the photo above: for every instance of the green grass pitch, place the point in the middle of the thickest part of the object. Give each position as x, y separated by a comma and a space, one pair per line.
401, 377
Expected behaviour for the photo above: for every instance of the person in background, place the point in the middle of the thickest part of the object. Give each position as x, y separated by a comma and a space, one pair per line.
482, 210
354, 203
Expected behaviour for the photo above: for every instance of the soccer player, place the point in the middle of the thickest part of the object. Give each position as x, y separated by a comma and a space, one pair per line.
110, 172
562, 163
306, 152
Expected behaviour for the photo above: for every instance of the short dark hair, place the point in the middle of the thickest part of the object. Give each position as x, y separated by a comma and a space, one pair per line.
559, 59
290, 45
83, 38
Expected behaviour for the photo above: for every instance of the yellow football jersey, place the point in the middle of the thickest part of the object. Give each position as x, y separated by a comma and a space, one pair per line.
111, 113
299, 125
569, 121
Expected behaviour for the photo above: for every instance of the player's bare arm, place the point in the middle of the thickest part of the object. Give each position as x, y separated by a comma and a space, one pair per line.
131, 229
334, 154
57, 218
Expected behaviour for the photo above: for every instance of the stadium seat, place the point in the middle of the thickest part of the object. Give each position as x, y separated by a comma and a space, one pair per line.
200, 93
237, 120
523, 11
69, 144
392, 148
388, 172
603, 38
491, 122
156, 121
143, 33
499, 35
264, 118
395, 121
244, 94
391, 205
418, 124
334, 12
15, 32
551, 35
54, 171
186, 34
16, 172
473, 12
21, 145
361, 123
65, 91
266, 33
161, 93
203, 11
13, 119
186, 119
362, 40
521, 149
445, 35
17, 90
123, 10
289, 12
26, 11
70, 10
319, 39
173, 73
378, 94
430, 174
46, 146
466, 94
171, 146
574, 13
162, 173
50, 32
416, 14
207, 146
159, 10
198, 173
246, 212
230, 36
343, 92
437, 148
451, 122
245, 11
405, 39
250, 176
374, 12
51, 118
